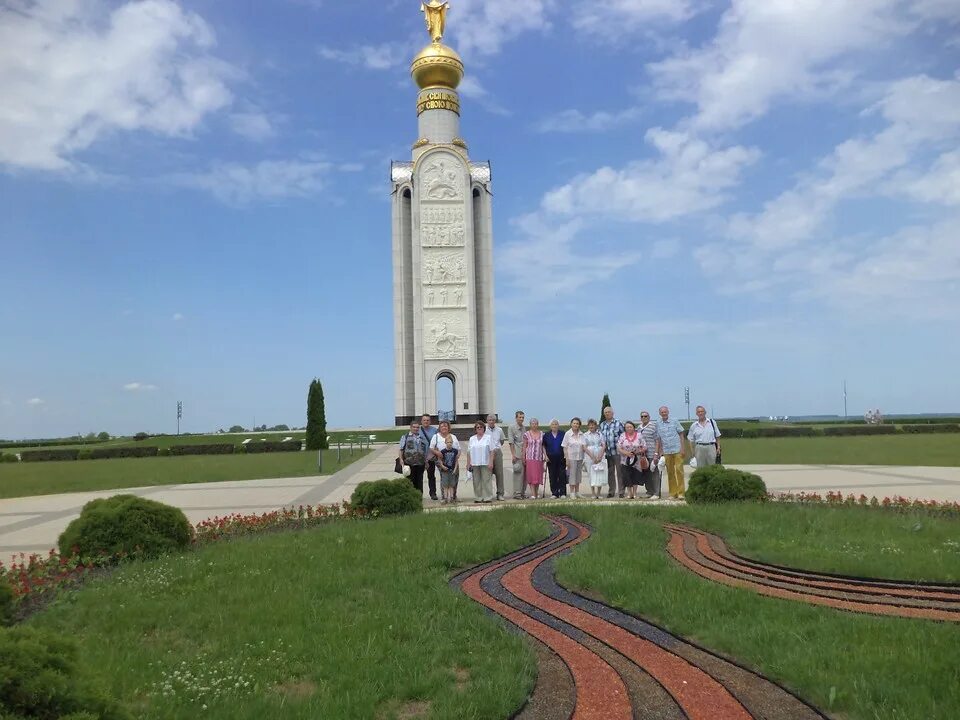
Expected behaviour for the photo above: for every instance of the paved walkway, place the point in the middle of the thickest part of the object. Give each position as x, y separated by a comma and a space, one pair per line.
32, 524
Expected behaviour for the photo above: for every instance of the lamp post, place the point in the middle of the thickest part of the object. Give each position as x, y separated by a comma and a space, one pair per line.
179, 415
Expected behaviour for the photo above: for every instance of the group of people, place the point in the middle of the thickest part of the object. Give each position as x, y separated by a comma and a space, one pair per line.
619, 456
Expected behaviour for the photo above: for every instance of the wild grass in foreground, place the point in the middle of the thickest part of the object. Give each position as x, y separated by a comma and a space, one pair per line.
45, 478
855, 666
351, 620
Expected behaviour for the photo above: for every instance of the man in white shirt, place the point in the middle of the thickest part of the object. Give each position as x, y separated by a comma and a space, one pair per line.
704, 436
496, 437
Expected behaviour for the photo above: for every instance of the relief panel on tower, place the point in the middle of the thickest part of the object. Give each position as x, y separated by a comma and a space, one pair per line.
444, 268
445, 335
442, 177
442, 225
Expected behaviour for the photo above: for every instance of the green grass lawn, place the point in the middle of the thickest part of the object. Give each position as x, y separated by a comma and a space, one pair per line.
933, 450
356, 620
45, 478
854, 666
352, 620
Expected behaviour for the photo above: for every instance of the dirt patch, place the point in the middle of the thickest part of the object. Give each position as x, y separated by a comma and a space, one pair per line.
409, 710
296, 689
461, 677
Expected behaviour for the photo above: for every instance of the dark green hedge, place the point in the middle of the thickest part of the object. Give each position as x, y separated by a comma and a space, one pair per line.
931, 428
715, 484
8, 458
772, 432
272, 446
48, 455
125, 524
387, 497
40, 677
211, 449
132, 451
47, 443
845, 430
6, 602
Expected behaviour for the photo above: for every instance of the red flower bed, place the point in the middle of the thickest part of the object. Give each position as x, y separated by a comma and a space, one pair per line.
897, 502
34, 577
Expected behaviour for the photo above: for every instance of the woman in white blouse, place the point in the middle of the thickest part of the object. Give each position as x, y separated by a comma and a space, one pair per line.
573, 444
438, 443
480, 464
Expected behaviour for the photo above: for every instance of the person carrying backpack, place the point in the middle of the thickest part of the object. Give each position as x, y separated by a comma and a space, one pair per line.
413, 454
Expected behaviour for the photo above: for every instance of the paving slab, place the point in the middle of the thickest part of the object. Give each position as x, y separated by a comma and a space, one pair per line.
32, 524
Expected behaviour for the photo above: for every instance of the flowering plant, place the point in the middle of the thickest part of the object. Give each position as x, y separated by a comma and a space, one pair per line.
897, 502
35, 577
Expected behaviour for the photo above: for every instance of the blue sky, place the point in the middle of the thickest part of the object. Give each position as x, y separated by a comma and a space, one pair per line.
756, 198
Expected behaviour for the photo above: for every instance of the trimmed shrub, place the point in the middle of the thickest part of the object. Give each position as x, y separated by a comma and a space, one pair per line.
846, 430
140, 436
6, 602
126, 524
48, 455
716, 484
41, 679
163, 452
931, 428
47, 443
387, 497
211, 449
132, 451
240, 449
273, 446
8, 458
85, 455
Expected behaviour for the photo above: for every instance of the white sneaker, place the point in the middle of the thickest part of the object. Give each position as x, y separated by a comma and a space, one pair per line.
654, 498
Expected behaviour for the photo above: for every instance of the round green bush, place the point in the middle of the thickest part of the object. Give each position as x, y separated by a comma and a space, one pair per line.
126, 524
6, 602
716, 484
163, 452
387, 497
8, 458
40, 679
85, 455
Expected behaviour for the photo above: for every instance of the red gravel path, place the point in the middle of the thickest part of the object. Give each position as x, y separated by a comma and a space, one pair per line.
692, 678
707, 556
601, 692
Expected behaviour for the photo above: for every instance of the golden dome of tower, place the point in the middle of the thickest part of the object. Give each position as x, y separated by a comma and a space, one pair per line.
436, 65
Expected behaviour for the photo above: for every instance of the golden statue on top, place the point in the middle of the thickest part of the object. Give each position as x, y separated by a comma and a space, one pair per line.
435, 13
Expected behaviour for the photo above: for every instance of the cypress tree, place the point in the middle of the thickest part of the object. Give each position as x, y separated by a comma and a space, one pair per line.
316, 418
606, 404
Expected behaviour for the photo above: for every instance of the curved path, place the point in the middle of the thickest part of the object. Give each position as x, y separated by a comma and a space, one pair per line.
709, 557
614, 665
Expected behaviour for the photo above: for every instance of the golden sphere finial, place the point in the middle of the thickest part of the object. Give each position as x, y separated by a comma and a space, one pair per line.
436, 65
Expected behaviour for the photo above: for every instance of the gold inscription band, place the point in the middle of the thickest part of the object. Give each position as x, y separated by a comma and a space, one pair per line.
438, 100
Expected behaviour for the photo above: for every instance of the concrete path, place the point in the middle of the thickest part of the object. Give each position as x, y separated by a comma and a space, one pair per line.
32, 524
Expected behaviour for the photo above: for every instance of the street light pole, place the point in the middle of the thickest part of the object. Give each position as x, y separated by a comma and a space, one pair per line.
179, 415
686, 399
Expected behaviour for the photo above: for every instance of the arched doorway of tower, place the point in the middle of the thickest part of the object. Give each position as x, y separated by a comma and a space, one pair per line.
446, 396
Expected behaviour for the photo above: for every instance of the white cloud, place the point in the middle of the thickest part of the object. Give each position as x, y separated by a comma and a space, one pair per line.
6, 403
688, 177
767, 50
253, 125
36, 402
482, 27
471, 87
940, 184
177, 317
72, 74
237, 184
549, 263
600, 121
921, 112
373, 57
611, 17
139, 387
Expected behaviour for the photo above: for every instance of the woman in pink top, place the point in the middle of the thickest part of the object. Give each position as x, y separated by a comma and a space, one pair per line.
633, 451
533, 457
